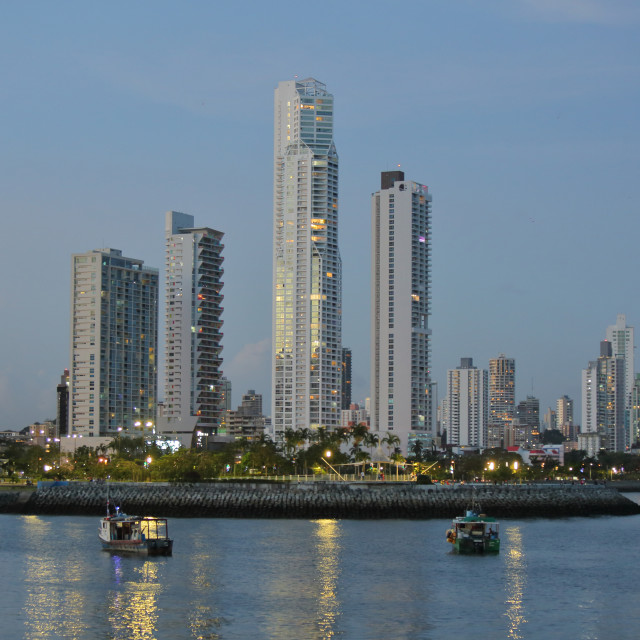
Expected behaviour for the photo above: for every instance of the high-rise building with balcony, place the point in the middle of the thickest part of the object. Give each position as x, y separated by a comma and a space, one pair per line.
403, 398
192, 324
114, 340
502, 396
467, 405
621, 338
603, 398
307, 269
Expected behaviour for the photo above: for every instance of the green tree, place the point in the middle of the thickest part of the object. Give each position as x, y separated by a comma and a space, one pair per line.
552, 436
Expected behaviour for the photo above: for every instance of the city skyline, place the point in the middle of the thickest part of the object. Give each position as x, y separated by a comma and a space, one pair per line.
519, 115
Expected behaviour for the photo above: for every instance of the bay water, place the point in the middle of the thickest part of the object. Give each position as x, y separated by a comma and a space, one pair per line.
230, 579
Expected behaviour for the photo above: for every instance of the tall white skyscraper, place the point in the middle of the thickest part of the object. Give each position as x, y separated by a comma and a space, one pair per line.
307, 270
468, 405
603, 398
621, 338
192, 324
402, 394
114, 340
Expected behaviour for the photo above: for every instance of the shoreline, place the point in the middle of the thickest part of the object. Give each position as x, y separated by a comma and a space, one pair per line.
323, 499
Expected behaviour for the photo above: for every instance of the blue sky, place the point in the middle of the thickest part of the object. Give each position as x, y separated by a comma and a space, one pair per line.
520, 115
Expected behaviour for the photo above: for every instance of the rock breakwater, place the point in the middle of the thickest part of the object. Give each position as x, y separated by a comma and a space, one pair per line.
320, 500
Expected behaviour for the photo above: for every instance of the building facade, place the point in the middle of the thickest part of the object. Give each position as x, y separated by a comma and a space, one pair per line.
564, 418
307, 269
247, 421
634, 413
346, 378
622, 346
603, 398
193, 395
62, 404
467, 405
502, 396
402, 392
528, 412
114, 340
354, 415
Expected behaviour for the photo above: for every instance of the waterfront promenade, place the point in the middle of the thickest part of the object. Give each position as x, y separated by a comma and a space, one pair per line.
365, 500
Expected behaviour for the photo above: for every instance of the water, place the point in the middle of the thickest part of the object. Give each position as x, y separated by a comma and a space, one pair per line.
295, 579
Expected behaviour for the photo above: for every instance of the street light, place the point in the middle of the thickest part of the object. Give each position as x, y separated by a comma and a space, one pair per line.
328, 455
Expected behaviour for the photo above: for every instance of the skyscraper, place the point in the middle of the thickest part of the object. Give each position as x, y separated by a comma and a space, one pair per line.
114, 339
62, 404
192, 324
528, 412
603, 398
346, 379
402, 394
502, 395
621, 338
634, 413
307, 269
468, 405
564, 417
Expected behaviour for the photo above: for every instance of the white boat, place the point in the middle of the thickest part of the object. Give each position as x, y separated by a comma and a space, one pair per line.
135, 534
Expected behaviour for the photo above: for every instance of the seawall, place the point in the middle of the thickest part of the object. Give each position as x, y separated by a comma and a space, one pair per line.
319, 500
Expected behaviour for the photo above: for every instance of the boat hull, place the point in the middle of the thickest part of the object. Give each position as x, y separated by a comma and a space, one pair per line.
143, 547
468, 546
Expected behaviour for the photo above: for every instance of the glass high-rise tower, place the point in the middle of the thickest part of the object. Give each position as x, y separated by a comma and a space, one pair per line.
307, 269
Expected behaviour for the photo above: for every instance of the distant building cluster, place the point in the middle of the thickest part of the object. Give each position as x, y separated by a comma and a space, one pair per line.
479, 410
111, 385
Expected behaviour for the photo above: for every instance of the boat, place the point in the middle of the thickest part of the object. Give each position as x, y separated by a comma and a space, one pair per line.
134, 534
474, 533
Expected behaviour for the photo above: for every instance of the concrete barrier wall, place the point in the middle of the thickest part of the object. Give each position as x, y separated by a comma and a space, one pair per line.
320, 500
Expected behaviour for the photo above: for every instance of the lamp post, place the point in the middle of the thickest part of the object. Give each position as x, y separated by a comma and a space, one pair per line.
328, 455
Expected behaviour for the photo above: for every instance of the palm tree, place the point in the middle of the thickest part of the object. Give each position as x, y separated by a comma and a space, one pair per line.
358, 433
291, 438
371, 440
391, 441
416, 449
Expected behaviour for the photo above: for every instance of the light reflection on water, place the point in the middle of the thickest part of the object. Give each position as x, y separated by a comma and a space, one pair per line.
53, 605
132, 604
320, 579
327, 564
516, 580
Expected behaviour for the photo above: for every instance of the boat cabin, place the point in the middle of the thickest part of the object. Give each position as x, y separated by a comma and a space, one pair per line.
134, 528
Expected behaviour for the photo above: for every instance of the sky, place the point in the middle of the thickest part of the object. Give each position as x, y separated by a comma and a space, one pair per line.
520, 115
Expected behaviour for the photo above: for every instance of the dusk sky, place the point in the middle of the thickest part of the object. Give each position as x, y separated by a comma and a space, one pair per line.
522, 117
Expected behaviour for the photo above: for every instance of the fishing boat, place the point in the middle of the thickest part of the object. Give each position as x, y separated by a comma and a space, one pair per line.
134, 534
474, 533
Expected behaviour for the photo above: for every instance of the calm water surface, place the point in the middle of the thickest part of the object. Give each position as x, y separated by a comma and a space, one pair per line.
293, 579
